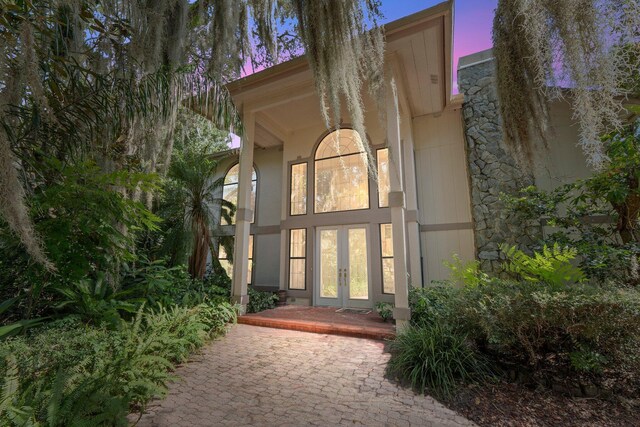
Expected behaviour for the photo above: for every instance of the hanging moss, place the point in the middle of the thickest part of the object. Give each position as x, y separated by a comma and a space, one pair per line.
104, 78
541, 45
342, 56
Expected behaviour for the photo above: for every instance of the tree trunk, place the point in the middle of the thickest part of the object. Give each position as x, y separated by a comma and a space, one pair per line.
198, 258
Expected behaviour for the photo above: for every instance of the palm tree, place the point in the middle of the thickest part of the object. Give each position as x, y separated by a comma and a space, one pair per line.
191, 199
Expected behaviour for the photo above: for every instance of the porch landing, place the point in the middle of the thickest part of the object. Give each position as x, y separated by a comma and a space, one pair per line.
322, 320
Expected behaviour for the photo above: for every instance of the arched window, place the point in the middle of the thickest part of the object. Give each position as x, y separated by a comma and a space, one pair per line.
230, 190
341, 174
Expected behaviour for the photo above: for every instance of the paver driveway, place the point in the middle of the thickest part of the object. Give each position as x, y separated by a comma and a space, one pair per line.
262, 377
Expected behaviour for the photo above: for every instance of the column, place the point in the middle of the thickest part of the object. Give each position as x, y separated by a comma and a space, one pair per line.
244, 214
413, 227
401, 311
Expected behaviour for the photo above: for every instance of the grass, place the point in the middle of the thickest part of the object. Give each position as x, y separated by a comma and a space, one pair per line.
433, 357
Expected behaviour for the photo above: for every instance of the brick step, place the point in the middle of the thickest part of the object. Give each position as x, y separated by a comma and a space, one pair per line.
319, 327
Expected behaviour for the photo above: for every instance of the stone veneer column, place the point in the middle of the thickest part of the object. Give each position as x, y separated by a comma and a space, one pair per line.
492, 169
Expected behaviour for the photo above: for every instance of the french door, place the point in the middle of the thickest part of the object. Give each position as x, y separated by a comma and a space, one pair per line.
342, 273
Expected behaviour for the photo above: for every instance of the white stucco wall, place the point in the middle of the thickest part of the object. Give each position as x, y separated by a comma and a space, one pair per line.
444, 207
560, 160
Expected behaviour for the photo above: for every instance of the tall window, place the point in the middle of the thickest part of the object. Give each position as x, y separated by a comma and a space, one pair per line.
383, 177
226, 263
230, 191
386, 249
298, 189
297, 258
341, 174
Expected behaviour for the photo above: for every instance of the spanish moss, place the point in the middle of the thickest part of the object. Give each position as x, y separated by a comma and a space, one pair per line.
542, 45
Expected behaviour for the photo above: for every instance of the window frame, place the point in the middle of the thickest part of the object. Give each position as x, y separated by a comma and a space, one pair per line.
254, 172
291, 258
378, 150
383, 257
315, 161
250, 258
306, 188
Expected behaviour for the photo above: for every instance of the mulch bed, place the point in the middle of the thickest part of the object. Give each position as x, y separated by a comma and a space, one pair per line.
506, 404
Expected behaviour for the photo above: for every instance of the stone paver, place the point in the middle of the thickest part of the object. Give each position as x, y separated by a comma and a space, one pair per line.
262, 377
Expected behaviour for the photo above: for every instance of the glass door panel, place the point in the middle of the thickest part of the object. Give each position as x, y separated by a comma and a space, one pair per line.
358, 277
329, 264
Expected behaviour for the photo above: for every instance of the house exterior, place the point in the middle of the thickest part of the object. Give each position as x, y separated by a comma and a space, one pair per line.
310, 218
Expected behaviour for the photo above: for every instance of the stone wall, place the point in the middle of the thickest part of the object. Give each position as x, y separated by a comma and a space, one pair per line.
492, 169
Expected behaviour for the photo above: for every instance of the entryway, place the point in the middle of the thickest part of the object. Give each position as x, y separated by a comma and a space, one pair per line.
342, 273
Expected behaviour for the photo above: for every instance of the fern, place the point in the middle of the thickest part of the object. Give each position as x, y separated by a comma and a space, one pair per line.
13, 410
552, 265
465, 273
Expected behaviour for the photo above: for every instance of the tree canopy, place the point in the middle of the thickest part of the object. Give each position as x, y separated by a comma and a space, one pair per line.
104, 79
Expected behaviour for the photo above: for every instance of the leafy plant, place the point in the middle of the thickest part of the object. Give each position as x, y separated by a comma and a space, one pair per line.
434, 357
70, 373
551, 265
385, 310
432, 304
545, 328
465, 273
190, 205
96, 300
260, 301
599, 215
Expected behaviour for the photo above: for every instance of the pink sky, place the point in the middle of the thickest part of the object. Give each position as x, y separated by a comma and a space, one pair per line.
472, 26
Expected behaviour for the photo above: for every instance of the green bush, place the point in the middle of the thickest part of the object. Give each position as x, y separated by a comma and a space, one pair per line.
536, 325
433, 303
260, 301
435, 357
555, 327
70, 373
385, 310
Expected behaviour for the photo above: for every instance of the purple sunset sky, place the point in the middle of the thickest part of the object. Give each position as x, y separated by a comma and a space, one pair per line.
472, 26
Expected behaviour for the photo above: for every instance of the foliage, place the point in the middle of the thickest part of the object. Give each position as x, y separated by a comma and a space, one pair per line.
89, 229
552, 265
191, 203
432, 304
167, 286
385, 310
598, 215
542, 327
465, 273
105, 79
96, 301
436, 358
542, 44
548, 330
260, 300
71, 374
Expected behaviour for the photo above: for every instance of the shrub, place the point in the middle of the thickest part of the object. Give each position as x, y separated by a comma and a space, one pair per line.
436, 358
465, 273
385, 310
70, 373
536, 325
260, 301
432, 303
